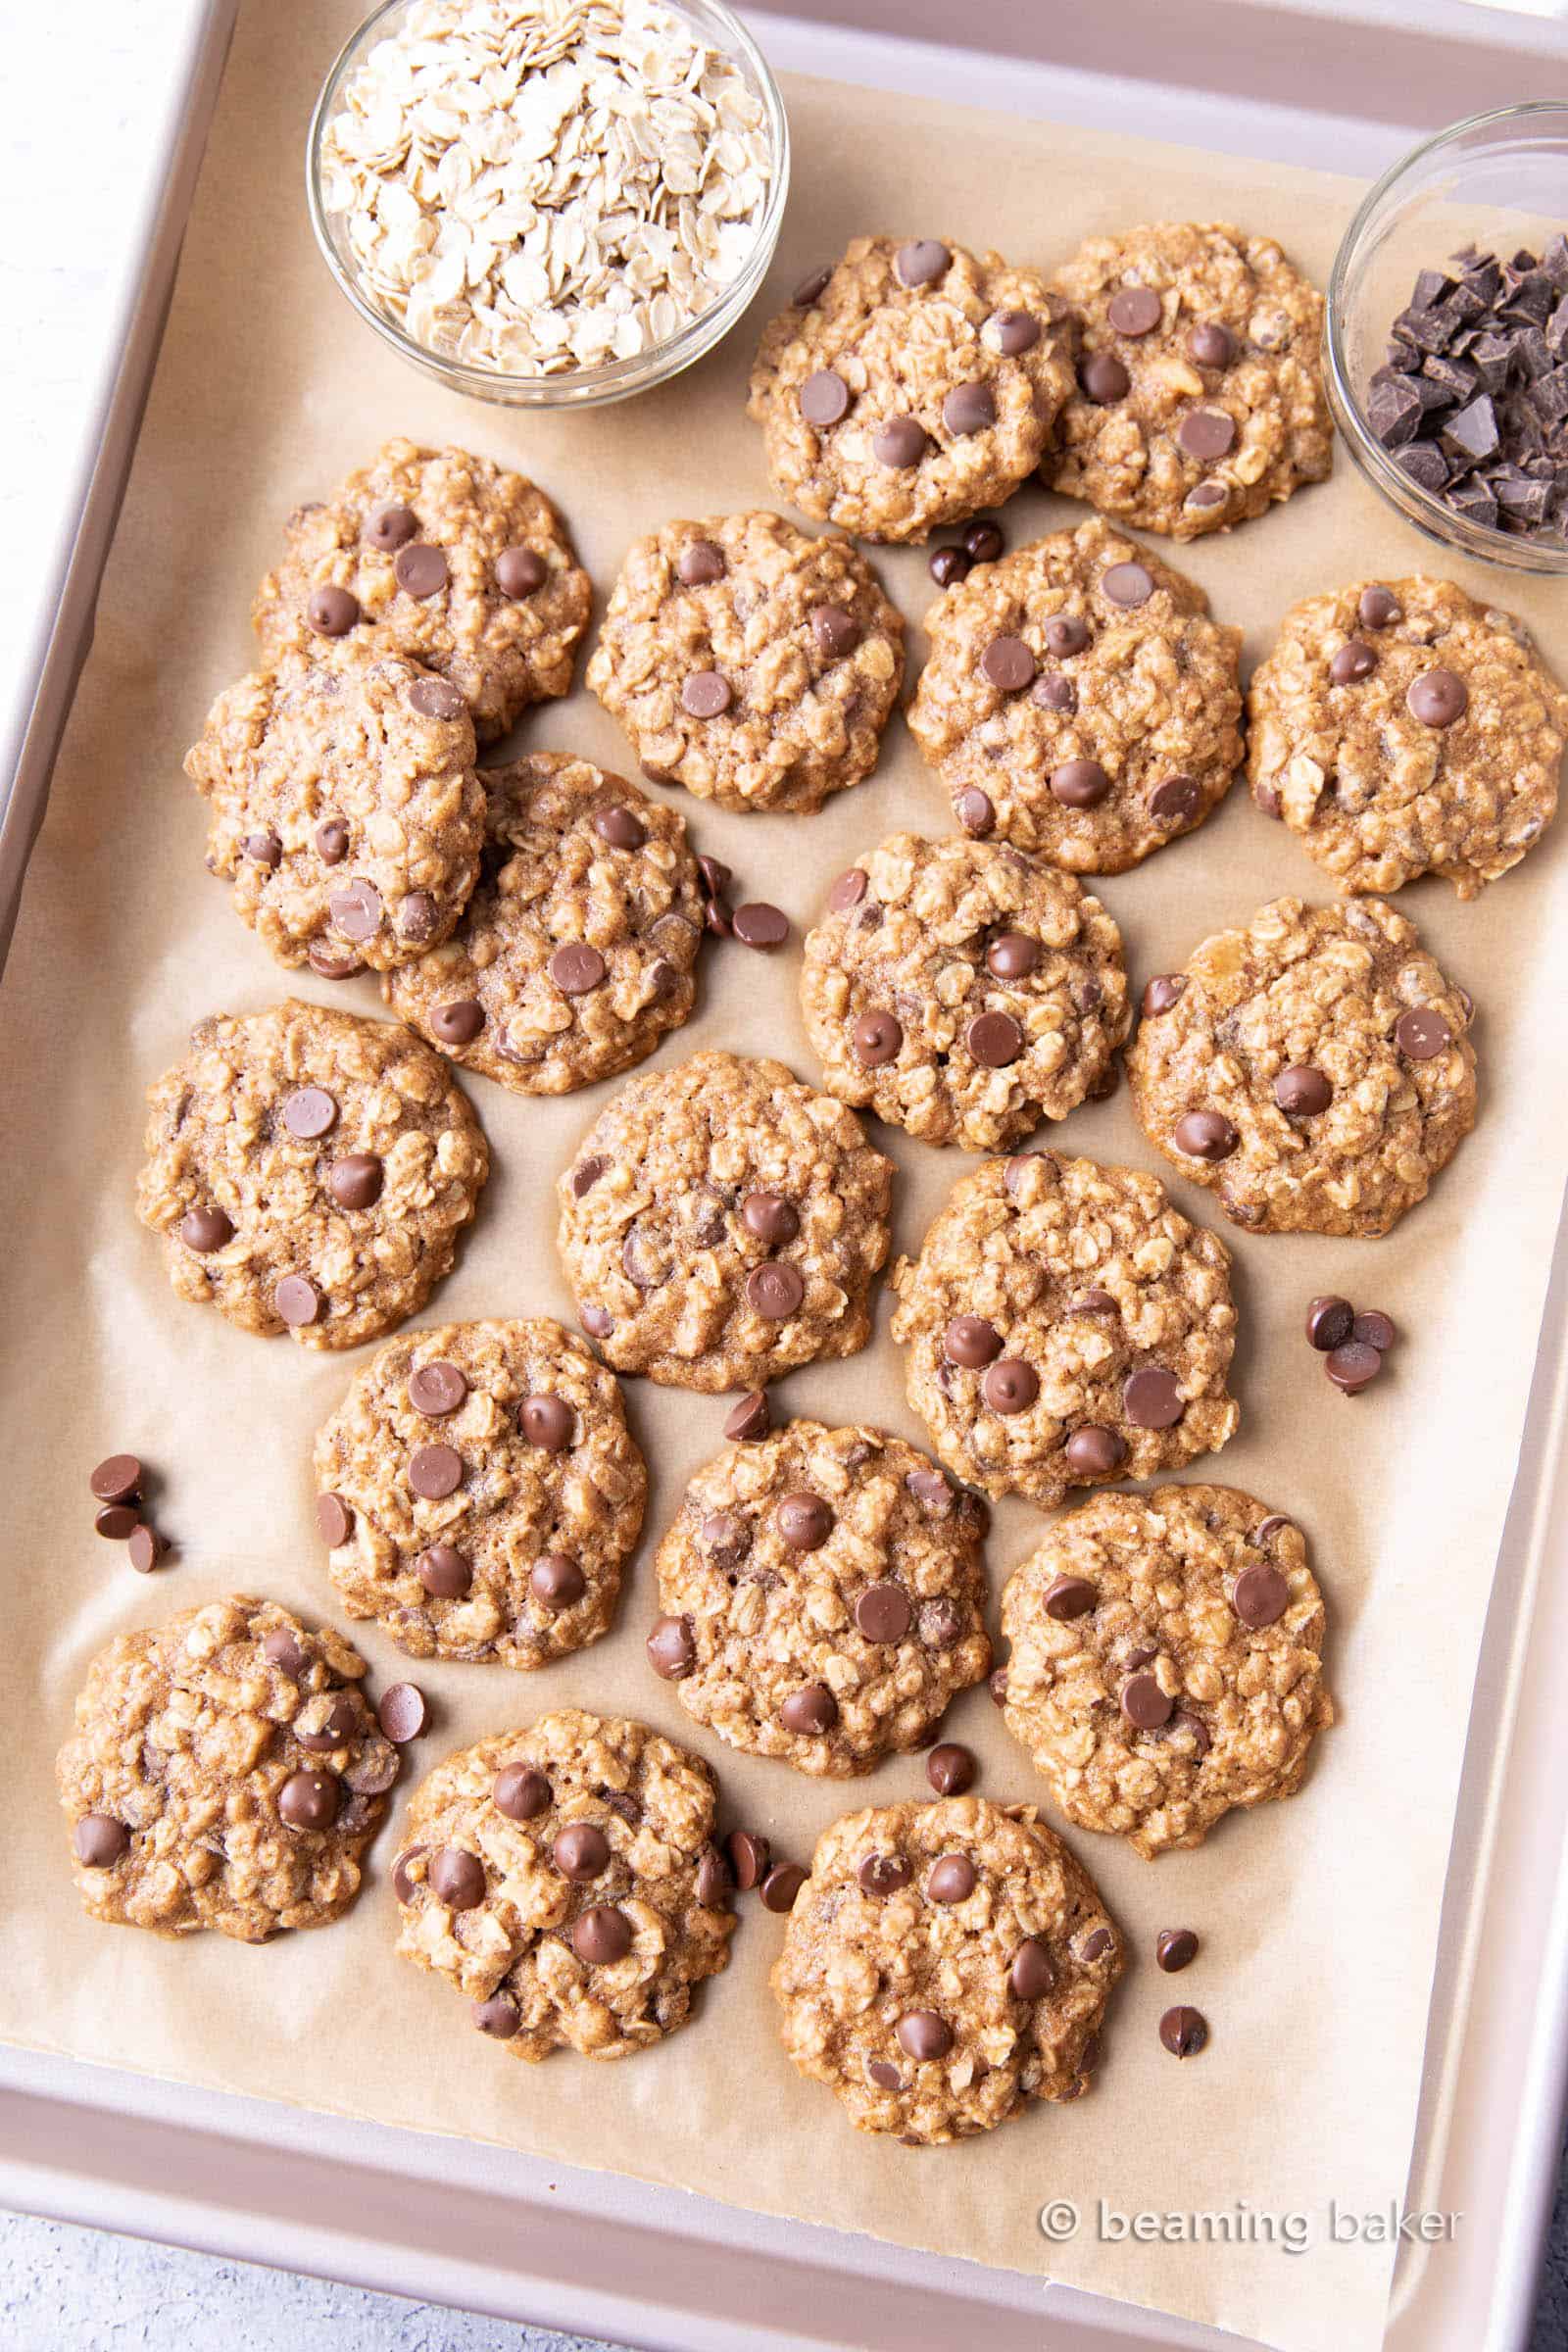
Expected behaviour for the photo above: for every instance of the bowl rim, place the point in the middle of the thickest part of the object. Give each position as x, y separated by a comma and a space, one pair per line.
1513, 551
613, 379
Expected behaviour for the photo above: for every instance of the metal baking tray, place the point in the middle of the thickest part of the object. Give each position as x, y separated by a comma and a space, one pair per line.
1342, 82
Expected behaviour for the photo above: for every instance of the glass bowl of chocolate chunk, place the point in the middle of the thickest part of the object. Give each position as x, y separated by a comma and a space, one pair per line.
1446, 338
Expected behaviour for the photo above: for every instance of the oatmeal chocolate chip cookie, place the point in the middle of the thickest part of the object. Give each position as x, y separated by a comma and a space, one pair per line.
1066, 1326
442, 557
565, 1880
1200, 397
916, 385
577, 951
1403, 730
479, 1493
1313, 1068
225, 1772
752, 663
961, 992
943, 1963
308, 1172
721, 1223
1079, 702
823, 1596
1165, 1661
346, 811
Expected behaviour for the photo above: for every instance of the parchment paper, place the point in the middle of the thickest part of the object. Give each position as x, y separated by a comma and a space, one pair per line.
1318, 1917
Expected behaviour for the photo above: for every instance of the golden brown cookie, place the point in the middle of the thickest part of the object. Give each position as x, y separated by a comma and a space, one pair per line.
1200, 394
910, 385
579, 950
1312, 1068
943, 1966
1406, 729
1165, 1661
1079, 702
752, 664
447, 559
227, 1771
563, 1878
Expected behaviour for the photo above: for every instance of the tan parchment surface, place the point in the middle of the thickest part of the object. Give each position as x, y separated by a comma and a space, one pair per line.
1319, 1917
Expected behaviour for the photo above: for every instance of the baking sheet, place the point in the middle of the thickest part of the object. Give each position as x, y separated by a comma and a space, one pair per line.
1319, 1917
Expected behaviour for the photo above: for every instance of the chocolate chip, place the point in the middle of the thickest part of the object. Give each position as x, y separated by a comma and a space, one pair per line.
1374, 1329
1175, 1948
995, 1040
455, 1878
576, 968
969, 409
116, 1522
1079, 783
1095, 1944
308, 1111
836, 631
520, 571
555, 1582
899, 443
205, 1229
457, 1023
1351, 664
356, 911
775, 1290
1151, 1399
824, 398
1260, 1595
335, 1521
876, 1039
759, 925
1012, 957
1103, 379
597, 1321
810, 288
332, 841
1211, 345
1184, 2031
298, 1302
950, 1769
547, 1422
100, 1840
1352, 1365
1329, 1322
402, 1713
586, 1174
144, 1547
404, 1884
1093, 1452
520, 1791
1066, 633
1144, 1703
749, 1857
1422, 1032
283, 1652
1206, 1135
1128, 584
974, 810
419, 568
497, 2017
883, 1613
1092, 1303
770, 1218
1071, 1596
972, 1342
331, 610
1010, 1386
117, 1478
748, 1420
923, 2034
436, 697
1014, 333
1135, 311
264, 849
1032, 1973
996, 1684
389, 527
1008, 665
581, 1852
437, 1389
882, 1874
983, 542
714, 1884
601, 1936
672, 1649
1379, 608
356, 1180
444, 1572
310, 1801
1437, 698
1302, 1091
809, 1712
948, 566
848, 891
1162, 992
805, 1521
885, 2076
952, 1880
921, 262
620, 826
782, 1885
1175, 800
435, 1472
1206, 434
706, 695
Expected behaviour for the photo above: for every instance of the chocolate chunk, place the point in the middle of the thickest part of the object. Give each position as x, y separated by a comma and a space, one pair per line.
436, 697
99, 1840
714, 1880
1032, 1973
837, 632
1162, 992
1175, 800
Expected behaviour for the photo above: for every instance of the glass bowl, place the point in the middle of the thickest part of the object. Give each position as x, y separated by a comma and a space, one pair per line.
1499, 180
614, 380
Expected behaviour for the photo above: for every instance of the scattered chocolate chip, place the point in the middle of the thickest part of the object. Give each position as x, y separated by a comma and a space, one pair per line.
950, 1769
1103, 379
597, 1321
1184, 2031
1260, 1595
308, 1112
435, 1472
298, 1301
310, 1801
1151, 1399
951, 1879
671, 1651
555, 1582
586, 1174
974, 811
144, 1547
1055, 692
335, 1521
1422, 1032
331, 610
810, 288
922, 261
995, 1040
948, 566
748, 1420
1352, 1365
848, 890
983, 542
923, 2034
419, 568
749, 1858
1211, 345
1135, 312
996, 1684
782, 1885
775, 1290
1010, 1386
327, 966
404, 1884
547, 1422
1071, 1596
883, 1613
436, 697
885, 2076
1329, 1322
1302, 1091
1079, 783
117, 1477
205, 1229
824, 398
100, 1840
714, 1881
1128, 584
805, 1521
1175, 1948
1144, 1703
520, 1791
601, 1936
759, 925
876, 1039
116, 1521
444, 1572
1162, 992
809, 1712
1374, 1329
576, 968
1206, 1135
402, 1713
1015, 332
1008, 665
969, 409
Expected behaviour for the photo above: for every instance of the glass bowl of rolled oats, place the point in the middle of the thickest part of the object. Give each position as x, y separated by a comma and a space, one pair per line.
550, 203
